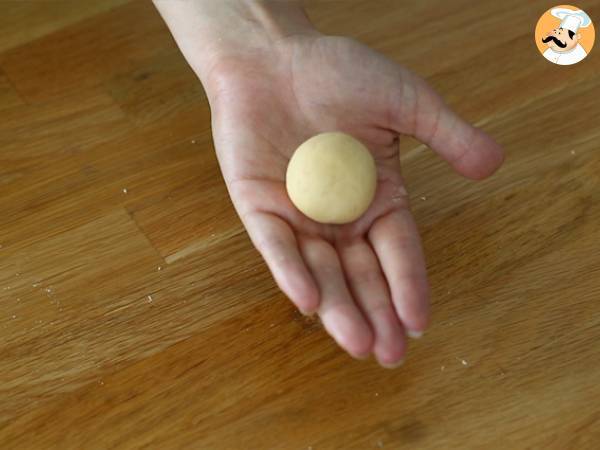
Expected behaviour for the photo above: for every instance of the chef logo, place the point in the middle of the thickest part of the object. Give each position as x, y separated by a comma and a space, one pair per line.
565, 35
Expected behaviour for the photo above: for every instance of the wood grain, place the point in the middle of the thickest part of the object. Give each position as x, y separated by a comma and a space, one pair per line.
31, 20
9, 96
134, 311
136, 33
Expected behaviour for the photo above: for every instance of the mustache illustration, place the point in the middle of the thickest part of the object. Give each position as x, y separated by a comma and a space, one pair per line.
556, 41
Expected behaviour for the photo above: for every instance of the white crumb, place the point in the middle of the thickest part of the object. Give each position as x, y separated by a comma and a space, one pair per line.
464, 362
193, 141
125, 191
376, 394
423, 198
149, 299
572, 152
159, 268
14, 316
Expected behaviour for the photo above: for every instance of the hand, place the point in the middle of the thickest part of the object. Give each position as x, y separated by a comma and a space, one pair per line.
366, 280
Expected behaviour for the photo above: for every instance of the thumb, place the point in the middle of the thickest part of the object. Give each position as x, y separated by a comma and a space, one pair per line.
470, 151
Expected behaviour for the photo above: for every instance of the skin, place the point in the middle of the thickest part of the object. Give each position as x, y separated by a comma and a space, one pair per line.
562, 36
272, 82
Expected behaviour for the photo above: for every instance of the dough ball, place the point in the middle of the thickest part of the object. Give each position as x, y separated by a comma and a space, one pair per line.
332, 178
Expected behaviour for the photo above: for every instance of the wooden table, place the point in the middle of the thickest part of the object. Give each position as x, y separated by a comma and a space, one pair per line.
134, 311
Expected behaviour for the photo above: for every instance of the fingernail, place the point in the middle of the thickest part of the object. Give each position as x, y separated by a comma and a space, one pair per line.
414, 334
307, 313
393, 365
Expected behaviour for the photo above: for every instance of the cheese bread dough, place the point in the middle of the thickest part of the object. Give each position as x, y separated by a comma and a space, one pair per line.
332, 178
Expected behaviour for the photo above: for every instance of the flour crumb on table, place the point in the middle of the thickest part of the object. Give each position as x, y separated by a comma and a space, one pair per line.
149, 299
125, 191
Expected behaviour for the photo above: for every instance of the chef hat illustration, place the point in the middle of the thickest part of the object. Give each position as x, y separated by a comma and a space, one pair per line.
571, 19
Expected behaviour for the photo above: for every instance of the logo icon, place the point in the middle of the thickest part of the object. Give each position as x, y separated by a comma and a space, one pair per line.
565, 35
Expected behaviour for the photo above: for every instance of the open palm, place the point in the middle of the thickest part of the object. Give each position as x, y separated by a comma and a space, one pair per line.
367, 279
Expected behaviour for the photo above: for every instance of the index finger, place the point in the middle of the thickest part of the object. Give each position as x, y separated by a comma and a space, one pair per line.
395, 239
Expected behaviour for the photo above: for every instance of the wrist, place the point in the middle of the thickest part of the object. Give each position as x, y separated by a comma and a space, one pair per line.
280, 19
212, 33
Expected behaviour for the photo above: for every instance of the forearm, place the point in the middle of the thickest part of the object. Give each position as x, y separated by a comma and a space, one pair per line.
210, 31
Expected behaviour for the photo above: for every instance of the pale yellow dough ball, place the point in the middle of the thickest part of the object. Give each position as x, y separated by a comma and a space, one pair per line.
332, 178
